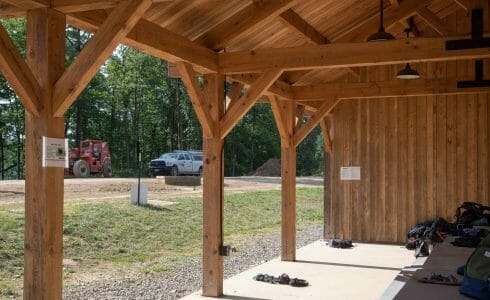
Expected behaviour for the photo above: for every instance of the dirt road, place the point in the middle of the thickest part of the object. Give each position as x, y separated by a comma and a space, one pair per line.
100, 189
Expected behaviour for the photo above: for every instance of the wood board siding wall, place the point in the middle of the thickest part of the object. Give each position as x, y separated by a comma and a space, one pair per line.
419, 157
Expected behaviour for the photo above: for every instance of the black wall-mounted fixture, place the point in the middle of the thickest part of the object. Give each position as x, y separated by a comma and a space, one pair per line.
477, 40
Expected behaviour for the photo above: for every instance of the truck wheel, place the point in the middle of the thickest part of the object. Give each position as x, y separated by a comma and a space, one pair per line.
81, 169
175, 171
107, 169
200, 172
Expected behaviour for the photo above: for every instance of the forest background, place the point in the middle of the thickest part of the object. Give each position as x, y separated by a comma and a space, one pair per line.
132, 98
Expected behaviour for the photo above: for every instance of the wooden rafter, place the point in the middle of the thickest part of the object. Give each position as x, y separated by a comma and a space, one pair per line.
298, 24
388, 89
28, 4
465, 4
433, 20
80, 72
279, 88
304, 130
177, 9
339, 55
68, 6
360, 31
18, 74
327, 140
154, 40
392, 15
203, 113
294, 21
247, 100
252, 17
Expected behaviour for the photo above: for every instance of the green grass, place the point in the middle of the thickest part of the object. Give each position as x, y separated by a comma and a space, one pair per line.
115, 235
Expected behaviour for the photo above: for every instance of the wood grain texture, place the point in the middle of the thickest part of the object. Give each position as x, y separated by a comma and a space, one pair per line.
213, 192
44, 186
420, 157
119, 23
18, 74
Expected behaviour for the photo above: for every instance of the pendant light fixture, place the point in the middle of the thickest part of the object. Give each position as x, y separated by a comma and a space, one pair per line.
381, 35
408, 73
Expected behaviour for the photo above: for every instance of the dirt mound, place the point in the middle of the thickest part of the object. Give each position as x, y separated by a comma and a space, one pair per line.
271, 168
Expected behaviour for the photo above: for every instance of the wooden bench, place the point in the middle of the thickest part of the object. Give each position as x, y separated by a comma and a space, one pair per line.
444, 259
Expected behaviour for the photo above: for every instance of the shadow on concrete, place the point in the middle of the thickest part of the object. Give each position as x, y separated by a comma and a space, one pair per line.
348, 265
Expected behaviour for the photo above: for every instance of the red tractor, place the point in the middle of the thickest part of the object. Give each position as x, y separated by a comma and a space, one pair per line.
93, 156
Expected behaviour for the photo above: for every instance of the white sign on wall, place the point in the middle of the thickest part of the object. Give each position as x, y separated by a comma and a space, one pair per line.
55, 152
350, 173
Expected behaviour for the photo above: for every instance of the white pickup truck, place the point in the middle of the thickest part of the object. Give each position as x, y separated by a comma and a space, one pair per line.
177, 163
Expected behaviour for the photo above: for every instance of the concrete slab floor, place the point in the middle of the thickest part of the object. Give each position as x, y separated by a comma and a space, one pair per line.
363, 272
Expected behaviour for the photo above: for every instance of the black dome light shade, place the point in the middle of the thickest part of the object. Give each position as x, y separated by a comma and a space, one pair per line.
381, 35
408, 73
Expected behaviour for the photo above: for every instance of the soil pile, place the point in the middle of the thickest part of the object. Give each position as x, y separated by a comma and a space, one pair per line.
271, 168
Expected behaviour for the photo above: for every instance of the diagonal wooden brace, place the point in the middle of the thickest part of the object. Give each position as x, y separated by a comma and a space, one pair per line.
247, 100
303, 131
120, 22
18, 74
203, 112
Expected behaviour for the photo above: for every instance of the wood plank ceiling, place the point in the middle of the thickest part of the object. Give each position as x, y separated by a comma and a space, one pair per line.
245, 25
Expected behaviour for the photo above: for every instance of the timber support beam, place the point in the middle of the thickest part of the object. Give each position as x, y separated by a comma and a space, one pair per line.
285, 116
18, 74
213, 190
44, 185
120, 22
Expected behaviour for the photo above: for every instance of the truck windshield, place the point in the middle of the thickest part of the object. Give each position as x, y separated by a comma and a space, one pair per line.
168, 155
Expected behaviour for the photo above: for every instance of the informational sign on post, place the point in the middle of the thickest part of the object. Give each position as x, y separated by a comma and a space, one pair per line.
55, 152
350, 173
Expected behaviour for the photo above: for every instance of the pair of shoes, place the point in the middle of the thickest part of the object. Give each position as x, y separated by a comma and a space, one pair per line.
283, 279
298, 282
265, 278
440, 279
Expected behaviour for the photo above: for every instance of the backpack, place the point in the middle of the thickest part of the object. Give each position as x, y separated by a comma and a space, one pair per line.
470, 212
477, 273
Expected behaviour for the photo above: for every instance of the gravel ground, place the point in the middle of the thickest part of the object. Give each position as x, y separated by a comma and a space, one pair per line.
186, 277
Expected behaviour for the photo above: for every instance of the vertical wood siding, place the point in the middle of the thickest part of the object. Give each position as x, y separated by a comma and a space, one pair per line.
420, 158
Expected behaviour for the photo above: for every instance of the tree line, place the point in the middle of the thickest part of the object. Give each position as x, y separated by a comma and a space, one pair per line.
133, 99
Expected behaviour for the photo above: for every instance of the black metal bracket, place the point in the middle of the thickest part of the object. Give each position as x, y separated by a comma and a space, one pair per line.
477, 40
226, 250
478, 82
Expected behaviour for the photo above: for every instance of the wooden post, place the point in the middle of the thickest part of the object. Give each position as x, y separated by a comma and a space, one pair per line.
213, 190
285, 116
44, 186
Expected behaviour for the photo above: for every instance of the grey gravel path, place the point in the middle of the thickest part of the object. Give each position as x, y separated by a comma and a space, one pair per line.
186, 277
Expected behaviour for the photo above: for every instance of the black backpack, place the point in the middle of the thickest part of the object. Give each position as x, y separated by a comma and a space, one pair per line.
470, 212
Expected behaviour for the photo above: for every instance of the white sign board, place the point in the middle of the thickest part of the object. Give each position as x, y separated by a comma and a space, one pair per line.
55, 152
350, 173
